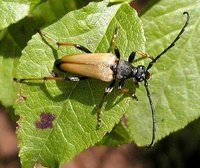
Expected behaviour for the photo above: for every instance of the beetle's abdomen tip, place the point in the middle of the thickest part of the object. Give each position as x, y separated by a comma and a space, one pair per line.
57, 63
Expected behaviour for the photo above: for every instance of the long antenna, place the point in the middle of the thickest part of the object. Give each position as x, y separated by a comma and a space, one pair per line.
172, 44
152, 114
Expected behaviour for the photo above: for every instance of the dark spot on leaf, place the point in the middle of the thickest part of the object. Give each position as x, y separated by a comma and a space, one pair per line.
45, 121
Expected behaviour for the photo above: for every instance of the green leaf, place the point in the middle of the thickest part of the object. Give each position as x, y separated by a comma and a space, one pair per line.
117, 1
14, 39
72, 105
11, 12
148, 6
56, 9
174, 86
8, 56
118, 136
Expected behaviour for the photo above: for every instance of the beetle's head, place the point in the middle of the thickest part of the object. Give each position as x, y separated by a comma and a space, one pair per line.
141, 73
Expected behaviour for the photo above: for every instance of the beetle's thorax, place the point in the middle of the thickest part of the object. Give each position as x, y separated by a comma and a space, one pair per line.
124, 70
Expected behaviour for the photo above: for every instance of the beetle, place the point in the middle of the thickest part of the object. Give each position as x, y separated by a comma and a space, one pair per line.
107, 67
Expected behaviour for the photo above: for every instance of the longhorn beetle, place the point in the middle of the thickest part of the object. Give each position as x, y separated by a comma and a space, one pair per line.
107, 67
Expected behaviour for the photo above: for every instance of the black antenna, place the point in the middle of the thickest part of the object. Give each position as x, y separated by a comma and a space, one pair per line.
152, 114
172, 44
146, 83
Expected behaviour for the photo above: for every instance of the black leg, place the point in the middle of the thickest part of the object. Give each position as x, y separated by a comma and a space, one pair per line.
106, 92
75, 78
117, 53
78, 46
131, 57
82, 48
121, 84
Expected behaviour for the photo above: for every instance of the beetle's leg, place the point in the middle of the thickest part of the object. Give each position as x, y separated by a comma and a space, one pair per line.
126, 90
145, 55
117, 53
131, 57
114, 39
78, 46
106, 92
22, 80
121, 84
70, 78
113, 45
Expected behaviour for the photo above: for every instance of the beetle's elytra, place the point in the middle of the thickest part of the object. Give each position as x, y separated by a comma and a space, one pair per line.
109, 68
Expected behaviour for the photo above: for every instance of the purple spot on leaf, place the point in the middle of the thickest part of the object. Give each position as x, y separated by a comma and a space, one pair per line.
45, 121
